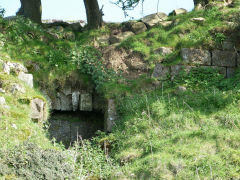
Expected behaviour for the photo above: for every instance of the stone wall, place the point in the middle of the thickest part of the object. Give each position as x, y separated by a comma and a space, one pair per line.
225, 61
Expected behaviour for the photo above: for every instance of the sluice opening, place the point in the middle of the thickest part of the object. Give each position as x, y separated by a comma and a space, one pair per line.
68, 126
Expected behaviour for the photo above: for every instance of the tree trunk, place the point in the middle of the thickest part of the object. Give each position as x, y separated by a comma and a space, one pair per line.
203, 2
31, 9
94, 14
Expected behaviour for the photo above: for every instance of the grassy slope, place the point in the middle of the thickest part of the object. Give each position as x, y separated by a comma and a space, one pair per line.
162, 133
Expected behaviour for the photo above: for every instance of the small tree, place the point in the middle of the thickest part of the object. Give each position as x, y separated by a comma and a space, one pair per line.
31, 9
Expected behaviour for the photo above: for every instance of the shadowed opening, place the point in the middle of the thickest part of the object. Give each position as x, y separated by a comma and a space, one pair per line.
68, 126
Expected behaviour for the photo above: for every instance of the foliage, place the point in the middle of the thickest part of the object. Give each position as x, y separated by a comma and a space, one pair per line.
88, 61
2, 11
91, 161
28, 161
199, 77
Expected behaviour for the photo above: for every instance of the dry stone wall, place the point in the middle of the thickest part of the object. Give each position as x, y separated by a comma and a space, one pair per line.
225, 61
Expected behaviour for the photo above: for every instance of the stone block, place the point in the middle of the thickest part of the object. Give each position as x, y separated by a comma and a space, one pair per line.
178, 11
27, 78
120, 37
66, 102
110, 116
166, 23
75, 100
86, 102
161, 72
154, 19
138, 27
224, 58
163, 51
38, 111
196, 56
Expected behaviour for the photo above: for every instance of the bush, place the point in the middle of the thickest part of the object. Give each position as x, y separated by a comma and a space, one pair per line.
28, 161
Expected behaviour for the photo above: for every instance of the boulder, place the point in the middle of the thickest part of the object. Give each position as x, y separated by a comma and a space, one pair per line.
154, 19
196, 56
166, 23
75, 100
224, 58
199, 20
17, 88
27, 78
86, 102
38, 110
163, 51
6, 68
110, 116
17, 67
120, 37
161, 72
178, 11
138, 27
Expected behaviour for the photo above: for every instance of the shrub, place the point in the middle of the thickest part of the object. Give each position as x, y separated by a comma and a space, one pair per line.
28, 161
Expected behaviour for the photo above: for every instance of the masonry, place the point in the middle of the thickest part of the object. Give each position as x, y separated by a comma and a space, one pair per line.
225, 61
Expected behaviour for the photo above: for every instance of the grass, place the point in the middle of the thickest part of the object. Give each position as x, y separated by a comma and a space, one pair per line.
163, 132
194, 134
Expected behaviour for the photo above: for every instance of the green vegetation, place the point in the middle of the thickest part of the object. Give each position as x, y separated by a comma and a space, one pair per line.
184, 33
187, 128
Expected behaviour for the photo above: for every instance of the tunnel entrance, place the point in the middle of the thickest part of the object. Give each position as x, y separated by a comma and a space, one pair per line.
68, 126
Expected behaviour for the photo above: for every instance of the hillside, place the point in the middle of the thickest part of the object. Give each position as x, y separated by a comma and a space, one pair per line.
168, 87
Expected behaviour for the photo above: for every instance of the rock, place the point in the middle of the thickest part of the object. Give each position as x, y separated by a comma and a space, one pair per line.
6, 68
161, 72
2, 101
2, 90
75, 100
178, 11
103, 39
56, 103
66, 102
15, 88
27, 78
38, 110
227, 45
76, 27
163, 51
110, 116
17, 68
199, 20
69, 35
196, 56
138, 27
134, 64
86, 102
224, 58
175, 70
67, 90
230, 72
120, 37
154, 19
199, 6
166, 23
181, 89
